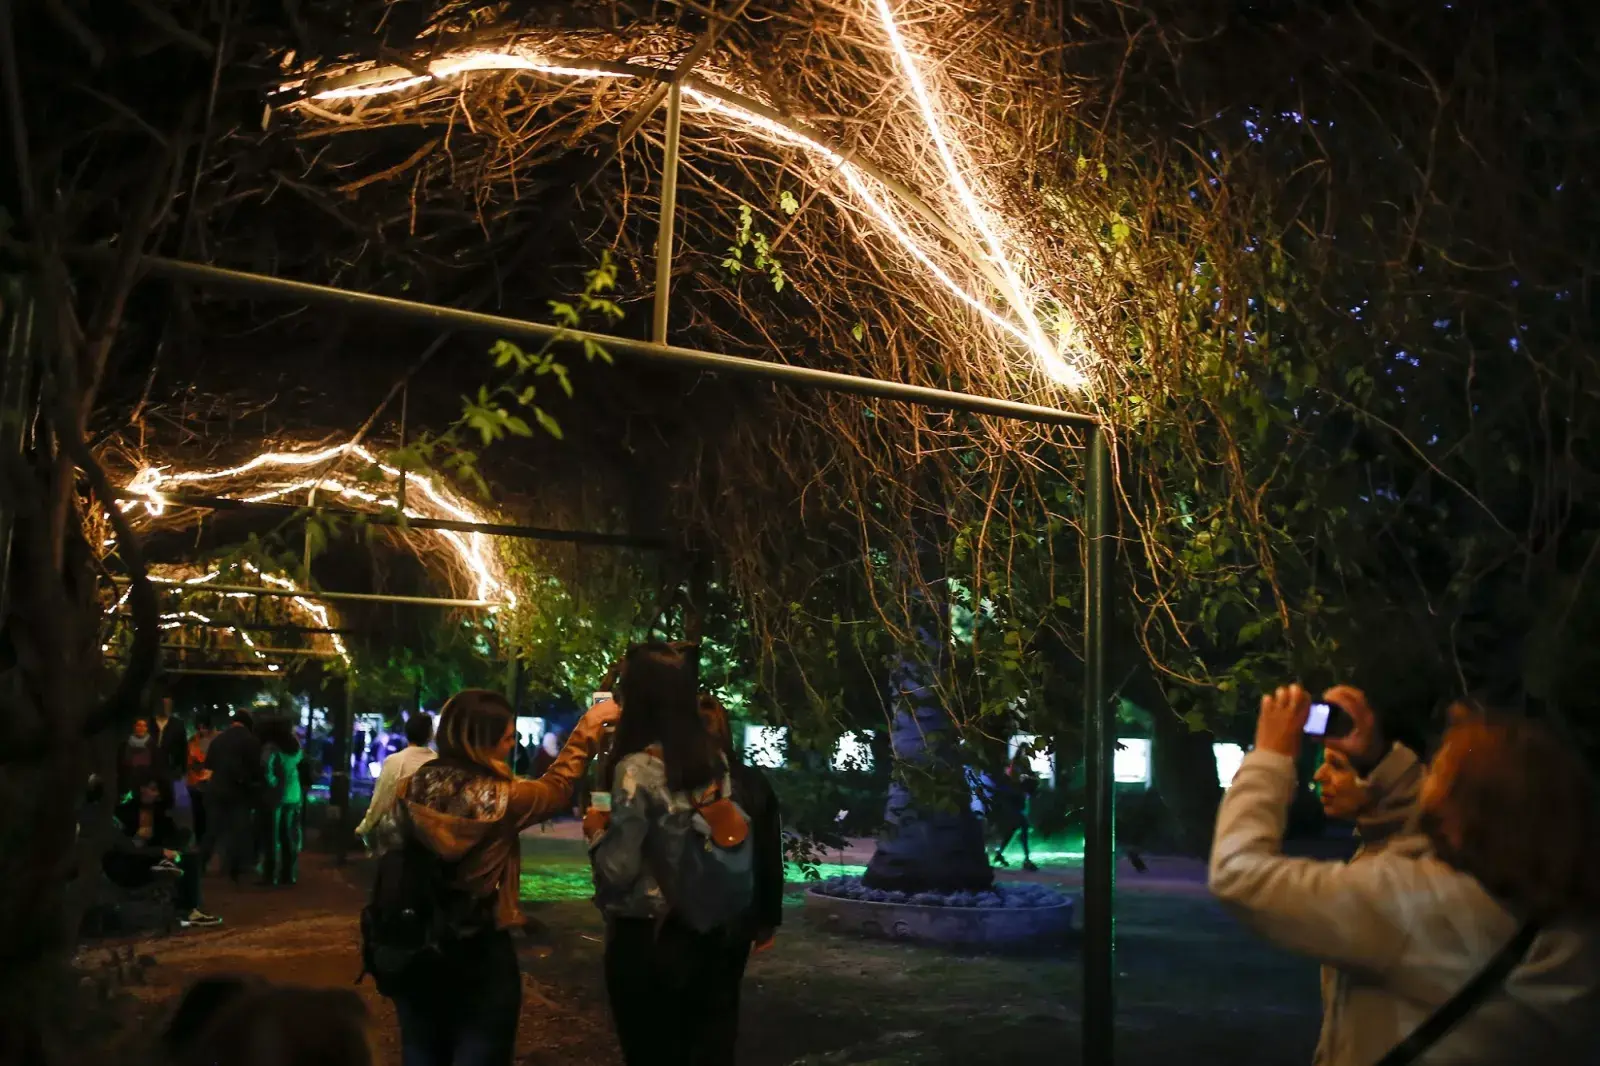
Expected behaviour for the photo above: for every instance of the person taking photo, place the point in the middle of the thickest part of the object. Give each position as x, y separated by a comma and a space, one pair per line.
1486, 918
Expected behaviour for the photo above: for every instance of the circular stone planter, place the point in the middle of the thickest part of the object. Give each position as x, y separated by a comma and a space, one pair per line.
989, 924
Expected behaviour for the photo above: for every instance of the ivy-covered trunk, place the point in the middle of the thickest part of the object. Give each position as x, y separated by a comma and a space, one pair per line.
931, 840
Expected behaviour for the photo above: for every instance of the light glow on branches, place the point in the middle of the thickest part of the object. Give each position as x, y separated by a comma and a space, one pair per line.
473, 550
1058, 360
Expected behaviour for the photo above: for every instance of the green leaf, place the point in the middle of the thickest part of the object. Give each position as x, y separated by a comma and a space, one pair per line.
858, 330
787, 203
551, 426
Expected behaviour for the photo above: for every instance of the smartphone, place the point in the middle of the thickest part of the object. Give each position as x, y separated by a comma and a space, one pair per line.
599, 698
1329, 720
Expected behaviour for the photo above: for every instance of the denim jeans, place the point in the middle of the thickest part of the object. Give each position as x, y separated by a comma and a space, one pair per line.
674, 992
462, 1009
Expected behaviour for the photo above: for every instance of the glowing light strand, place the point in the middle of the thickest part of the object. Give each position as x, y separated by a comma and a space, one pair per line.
1029, 333
475, 550
1049, 357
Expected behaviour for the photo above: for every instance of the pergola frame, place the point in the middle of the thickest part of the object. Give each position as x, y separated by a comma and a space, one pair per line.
1098, 1004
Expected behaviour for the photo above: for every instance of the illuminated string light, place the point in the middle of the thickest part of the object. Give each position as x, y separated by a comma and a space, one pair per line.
1028, 333
451, 66
475, 550
175, 619
1050, 359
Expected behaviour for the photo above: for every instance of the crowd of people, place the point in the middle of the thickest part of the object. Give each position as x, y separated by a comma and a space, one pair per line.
1466, 928
236, 795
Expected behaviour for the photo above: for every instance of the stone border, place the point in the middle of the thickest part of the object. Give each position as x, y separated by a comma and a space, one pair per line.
924, 923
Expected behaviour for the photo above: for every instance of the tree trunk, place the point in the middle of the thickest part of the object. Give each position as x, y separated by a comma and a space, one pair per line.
932, 841
1184, 768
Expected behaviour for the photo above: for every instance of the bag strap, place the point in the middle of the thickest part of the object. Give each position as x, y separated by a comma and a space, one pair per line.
1461, 1004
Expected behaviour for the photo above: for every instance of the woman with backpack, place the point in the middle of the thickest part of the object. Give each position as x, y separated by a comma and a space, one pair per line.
461, 814
673, 865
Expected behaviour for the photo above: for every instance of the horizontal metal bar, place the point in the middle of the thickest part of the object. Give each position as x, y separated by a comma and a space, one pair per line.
393, 518
245, 649
454, 318
219, 672
356, 597
253, 627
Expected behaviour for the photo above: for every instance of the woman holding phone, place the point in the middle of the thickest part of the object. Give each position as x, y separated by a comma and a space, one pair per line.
1501, 881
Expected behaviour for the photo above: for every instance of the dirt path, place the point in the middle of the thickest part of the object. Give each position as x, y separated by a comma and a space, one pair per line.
308, 935
1191, 985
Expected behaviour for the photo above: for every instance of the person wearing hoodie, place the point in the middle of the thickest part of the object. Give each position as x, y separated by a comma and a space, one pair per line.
467, 808
1507, 841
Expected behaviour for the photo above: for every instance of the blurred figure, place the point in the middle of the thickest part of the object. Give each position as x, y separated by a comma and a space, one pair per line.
171, 741
1011, 796
1488, 916
244, 1021
198, 775
234, 760
458, 994
549, 748
139, 846
284, 801
136, 761
397, 770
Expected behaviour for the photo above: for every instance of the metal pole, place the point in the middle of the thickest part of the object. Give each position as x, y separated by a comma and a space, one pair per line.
339, 786
1099, 735
454, 318
669, 210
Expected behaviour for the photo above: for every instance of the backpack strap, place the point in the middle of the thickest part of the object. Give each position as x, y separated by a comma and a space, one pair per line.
1462, 1003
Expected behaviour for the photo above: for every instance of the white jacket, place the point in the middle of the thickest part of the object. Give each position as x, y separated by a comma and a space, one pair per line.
1405, 931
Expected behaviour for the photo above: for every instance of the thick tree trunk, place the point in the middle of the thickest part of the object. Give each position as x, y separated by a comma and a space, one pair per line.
932, 841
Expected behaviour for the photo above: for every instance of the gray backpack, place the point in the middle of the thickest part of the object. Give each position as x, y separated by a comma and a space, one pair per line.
711, 885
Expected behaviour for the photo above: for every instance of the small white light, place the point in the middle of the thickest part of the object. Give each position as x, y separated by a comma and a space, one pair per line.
1228, 757
1131, 763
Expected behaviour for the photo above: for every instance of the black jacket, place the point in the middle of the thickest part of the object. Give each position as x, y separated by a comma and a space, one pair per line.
234, 760
172, 749
754, 793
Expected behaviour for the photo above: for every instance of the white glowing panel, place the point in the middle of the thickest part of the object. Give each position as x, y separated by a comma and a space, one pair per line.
529, 730
854, 751
1038, 761
764, 745
1131, 764
1229, 756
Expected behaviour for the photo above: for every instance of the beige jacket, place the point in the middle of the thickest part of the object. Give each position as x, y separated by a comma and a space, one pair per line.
1402, 932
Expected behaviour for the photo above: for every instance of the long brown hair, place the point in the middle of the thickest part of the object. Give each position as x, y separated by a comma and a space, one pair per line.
1507, 802
471, 726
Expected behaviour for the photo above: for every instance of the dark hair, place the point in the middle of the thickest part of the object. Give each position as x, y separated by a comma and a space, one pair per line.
279, 732
419, 729
251, 1024
471, 726
714, 716
242, 716
660, 705
200, 1006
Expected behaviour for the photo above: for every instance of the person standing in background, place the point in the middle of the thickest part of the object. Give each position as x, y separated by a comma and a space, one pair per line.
397, 769
171, 741
196, 776
234, 760
136, 761
280, 761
